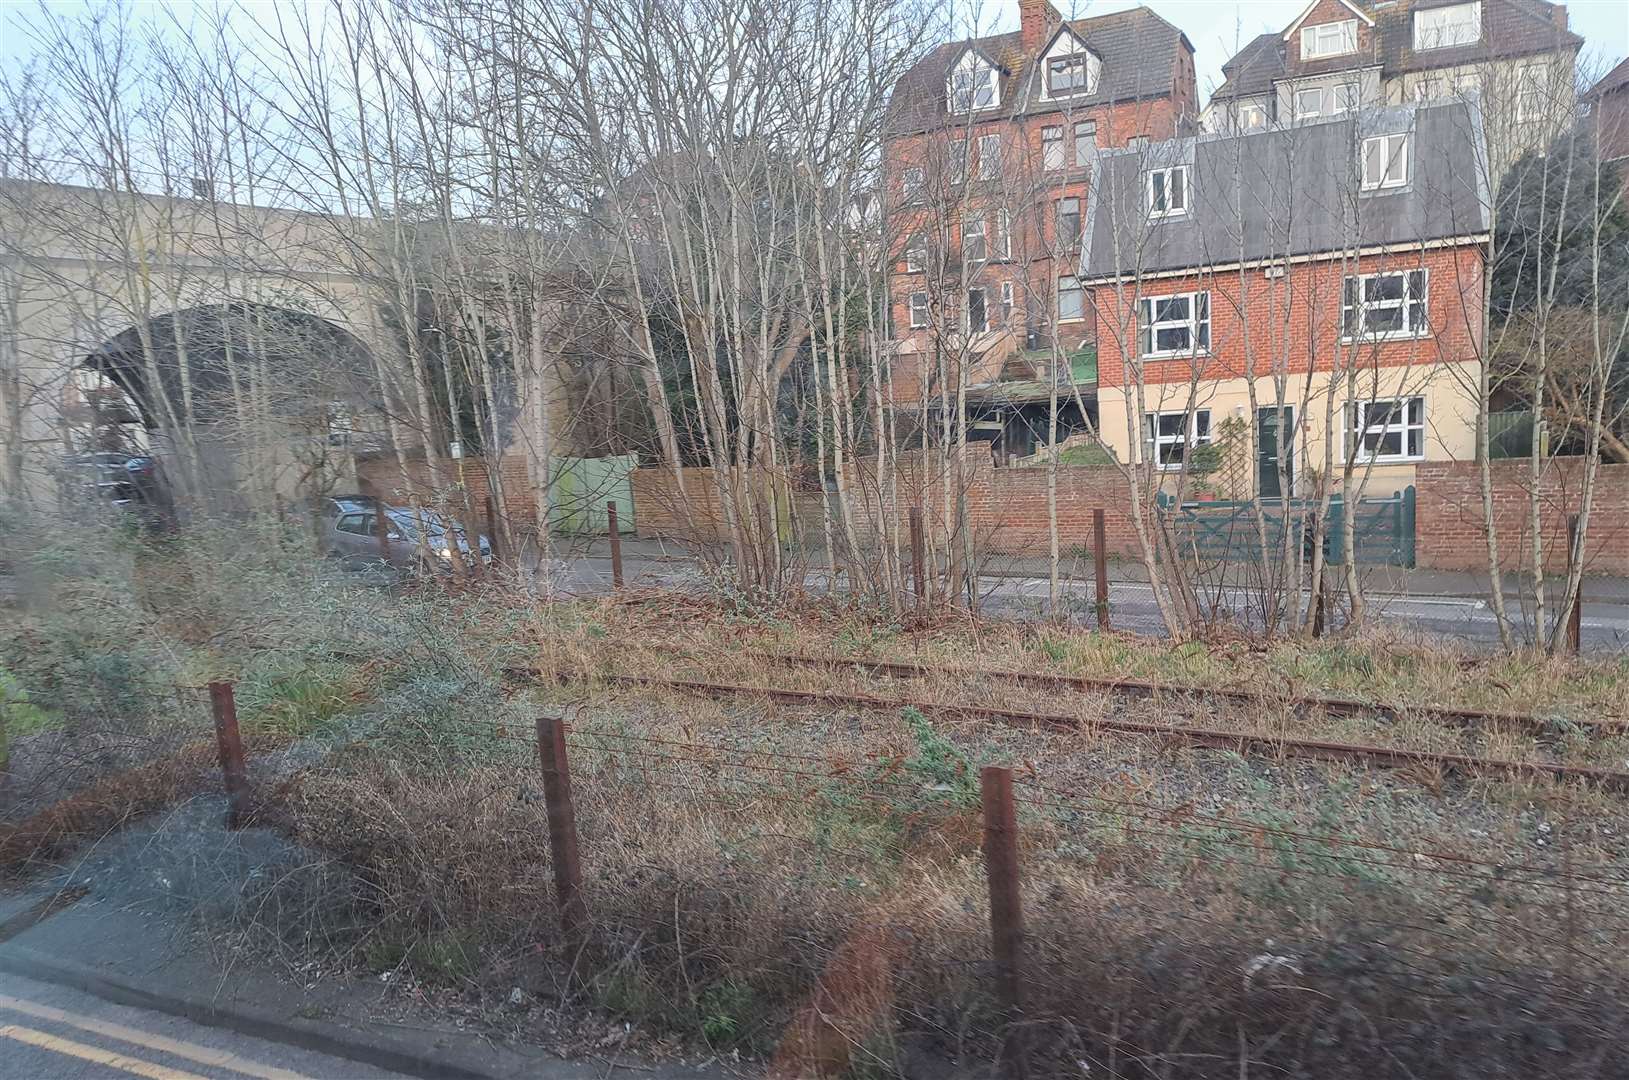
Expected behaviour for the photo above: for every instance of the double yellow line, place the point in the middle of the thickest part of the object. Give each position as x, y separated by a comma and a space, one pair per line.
202, 1055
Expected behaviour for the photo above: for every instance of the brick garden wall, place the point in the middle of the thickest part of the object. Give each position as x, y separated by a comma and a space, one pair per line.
382, 475
1008, 505
1448, 521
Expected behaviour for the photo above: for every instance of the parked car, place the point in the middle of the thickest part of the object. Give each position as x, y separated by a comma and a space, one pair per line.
350, 534
132, 484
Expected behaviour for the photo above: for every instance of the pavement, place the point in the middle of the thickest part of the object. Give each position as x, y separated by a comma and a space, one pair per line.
126, 964
1426, 603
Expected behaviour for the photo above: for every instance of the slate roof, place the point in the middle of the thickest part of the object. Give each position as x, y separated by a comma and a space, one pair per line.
1616, 79
1272, 194
1137, 47
1510, 28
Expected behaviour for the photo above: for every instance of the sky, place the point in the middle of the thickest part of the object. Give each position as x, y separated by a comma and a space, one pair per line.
1217, 28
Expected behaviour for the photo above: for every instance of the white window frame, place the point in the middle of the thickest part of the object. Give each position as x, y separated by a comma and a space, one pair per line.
1408, 419
1389, 157
1053, 154
1428, 36
1353, 94
1170, 210
958, 161
1088, 82
1252, 117
1079, 290
1001, 249
1085, 136
916, 255
1416, 296
1006, 303
1196, 432
989, 156
912, 305
1301, 111
974, 226
1196, 323
1329, 39
984, 306
972, 79
911, 180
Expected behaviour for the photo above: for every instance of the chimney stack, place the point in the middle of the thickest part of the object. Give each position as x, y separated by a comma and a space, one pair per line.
1036, 21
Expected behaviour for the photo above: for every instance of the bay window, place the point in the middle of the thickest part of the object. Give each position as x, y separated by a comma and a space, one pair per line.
1173, 325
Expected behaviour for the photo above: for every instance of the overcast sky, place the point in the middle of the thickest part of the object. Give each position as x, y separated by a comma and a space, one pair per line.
1217, 27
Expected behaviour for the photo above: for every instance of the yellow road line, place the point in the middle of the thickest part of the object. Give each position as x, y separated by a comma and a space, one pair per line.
203, 1055
96, 1054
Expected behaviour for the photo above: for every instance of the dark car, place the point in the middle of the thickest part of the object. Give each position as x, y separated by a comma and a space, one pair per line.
351, 534
132, 484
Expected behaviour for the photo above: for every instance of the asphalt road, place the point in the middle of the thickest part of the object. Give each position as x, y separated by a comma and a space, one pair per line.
1132, 606
51, 1033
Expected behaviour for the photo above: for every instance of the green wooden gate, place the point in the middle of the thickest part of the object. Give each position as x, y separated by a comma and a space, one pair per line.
581, 487
1225, 531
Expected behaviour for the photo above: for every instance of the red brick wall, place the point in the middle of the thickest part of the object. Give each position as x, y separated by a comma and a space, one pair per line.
1448, 516
1309, 334
1007, 506
382, 475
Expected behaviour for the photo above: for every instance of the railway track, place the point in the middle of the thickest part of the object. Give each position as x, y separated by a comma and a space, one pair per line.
1393, 757
1137, 688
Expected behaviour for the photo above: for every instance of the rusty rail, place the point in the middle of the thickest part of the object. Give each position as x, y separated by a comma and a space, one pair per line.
1462, 764
1333, 706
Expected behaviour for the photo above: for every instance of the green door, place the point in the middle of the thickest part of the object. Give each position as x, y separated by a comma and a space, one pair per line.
581, 487
1271, 441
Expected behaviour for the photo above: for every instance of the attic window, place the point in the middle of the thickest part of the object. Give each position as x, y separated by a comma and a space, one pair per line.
1328, 39
1066, 75
972, 85
1445, 27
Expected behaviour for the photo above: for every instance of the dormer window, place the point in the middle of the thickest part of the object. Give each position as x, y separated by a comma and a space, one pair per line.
1071, 69
972, 85
1445, 27
1328, 39
1066, 75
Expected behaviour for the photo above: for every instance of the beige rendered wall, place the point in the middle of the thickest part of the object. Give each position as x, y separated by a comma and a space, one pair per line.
1450, 416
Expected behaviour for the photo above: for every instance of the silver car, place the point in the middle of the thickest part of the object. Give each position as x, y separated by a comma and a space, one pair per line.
351, 535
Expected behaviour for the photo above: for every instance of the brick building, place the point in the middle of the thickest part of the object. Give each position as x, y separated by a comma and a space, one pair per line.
1609, 108
989, 153
1342, 259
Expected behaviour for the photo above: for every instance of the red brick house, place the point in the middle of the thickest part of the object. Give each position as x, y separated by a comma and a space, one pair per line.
989, 153
1609, 108
1341, 259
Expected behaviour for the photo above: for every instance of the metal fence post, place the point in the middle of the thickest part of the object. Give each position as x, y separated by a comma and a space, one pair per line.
230, 743
562, 815
1575, 613
919, 572
1100, 556
1006, 915
616, 545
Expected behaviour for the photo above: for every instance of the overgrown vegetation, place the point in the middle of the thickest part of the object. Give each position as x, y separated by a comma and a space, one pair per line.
804, 884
